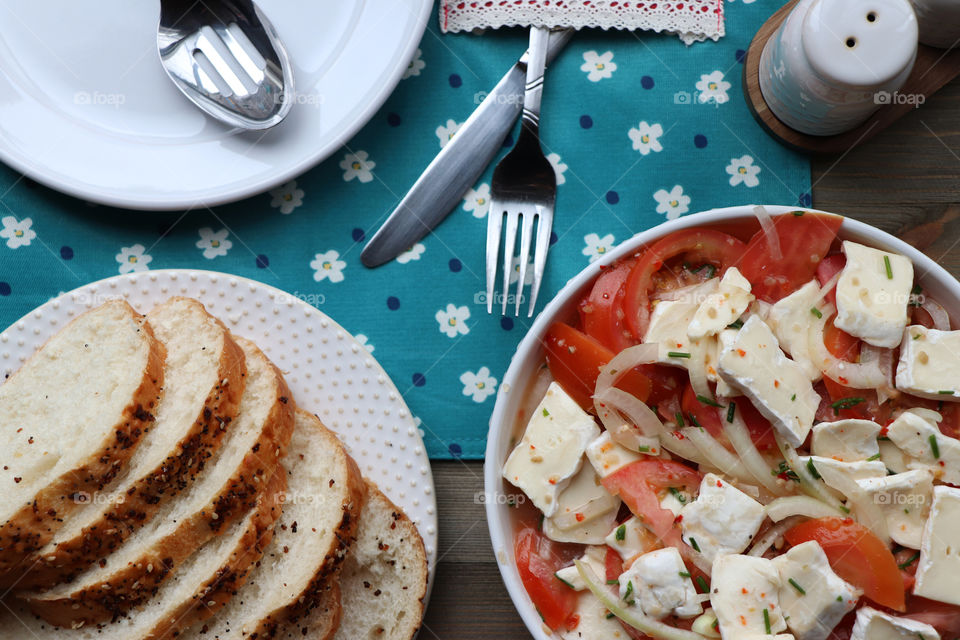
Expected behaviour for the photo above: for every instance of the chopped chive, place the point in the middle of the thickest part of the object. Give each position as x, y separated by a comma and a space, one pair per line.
621, 533
910, 561
684, 574
643, 449
731, 410
845, 403
945, 392
813, 470
886, 264
679, 417
677, 354
610, 615
710, 269
693, 543
540, 523
796, 586
708, 401
875, 456
546, 414
798, 213
766, 620
839, 598
626, 596
557, 576
736, 324
844, 509
679, 496
917, 336
934, 446
695, 422
816, 312
613, 582
716, 624
702, 583
793, 398
784, 471
917, 290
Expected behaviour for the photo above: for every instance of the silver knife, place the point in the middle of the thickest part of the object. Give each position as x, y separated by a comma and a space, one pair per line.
457, 167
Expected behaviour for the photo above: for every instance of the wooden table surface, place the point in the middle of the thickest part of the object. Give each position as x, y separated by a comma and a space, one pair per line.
906, 182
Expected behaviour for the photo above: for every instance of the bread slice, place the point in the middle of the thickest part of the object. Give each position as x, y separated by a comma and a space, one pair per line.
228, 487
205, 581
325, 492
204, 378
69, 420
383, 582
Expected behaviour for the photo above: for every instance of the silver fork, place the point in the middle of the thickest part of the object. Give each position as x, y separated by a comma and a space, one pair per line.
523, 190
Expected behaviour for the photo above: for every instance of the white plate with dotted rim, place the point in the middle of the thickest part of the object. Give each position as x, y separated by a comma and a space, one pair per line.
329, 372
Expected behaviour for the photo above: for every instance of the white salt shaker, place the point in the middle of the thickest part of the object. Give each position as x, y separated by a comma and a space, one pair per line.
939, 22
832, 63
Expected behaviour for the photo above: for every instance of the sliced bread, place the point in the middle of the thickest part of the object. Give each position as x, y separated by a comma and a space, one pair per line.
205, 581
70, 418
228, 486
204, 378
384, 579
325, 492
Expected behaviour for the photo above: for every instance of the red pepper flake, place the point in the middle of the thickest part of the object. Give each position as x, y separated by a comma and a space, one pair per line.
573, 622
579, 517
678, 519
719, 484
744, 591
742, 354
776, 384
842, 380
743, 621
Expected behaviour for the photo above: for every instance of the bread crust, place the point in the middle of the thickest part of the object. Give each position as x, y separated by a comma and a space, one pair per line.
71, 557
35, 523
138, 581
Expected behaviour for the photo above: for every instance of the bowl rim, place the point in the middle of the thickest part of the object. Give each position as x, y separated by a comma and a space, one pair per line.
496, 509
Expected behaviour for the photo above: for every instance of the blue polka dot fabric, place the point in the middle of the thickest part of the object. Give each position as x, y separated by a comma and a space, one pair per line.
639, 128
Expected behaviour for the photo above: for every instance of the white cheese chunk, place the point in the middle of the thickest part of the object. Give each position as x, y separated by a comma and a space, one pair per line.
778, 387
843, 476
668, 328
594, 557
630, 539
593, 622
721, 520
674, 502
608, 457
892, 457
876, 625
872, 294
930, 363
926, 446
551, 449
814, 599
905, 500
790, 319
585, 511
722, 307
659, 583
846, 440
939, 563
742, 589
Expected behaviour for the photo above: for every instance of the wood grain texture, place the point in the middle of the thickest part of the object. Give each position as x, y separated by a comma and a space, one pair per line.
932, 70
905, 181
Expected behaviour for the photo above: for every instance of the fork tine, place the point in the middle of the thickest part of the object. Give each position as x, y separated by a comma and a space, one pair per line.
509, 240
526, 230
544, 229
494, 224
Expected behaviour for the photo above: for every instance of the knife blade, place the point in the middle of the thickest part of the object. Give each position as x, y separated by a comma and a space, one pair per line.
458, 165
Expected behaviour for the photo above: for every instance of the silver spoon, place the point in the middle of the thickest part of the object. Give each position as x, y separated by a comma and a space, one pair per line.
226, 57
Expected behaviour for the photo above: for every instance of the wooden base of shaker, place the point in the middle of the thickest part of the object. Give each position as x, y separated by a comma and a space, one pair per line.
933, 69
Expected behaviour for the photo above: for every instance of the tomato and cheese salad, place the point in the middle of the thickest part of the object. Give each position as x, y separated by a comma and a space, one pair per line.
743, 436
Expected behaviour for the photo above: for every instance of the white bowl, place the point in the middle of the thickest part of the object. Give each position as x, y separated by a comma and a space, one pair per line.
530, 355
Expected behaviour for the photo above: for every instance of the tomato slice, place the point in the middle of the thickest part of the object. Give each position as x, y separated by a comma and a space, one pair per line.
601, 311
945, 618
840, 343
829, 267
537, 564
575, 359
857, 556
804, 241
761, 431
694, 245
703, 415
613, 564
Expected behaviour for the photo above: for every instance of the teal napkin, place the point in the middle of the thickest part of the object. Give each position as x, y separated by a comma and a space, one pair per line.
639, 127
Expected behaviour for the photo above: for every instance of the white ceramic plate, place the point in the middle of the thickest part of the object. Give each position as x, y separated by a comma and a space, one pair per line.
87, 108
530, 355
329, 372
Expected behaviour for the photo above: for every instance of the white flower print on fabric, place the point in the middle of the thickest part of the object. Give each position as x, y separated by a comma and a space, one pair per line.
477, 201
364, 342
133, 259
597, 247
559, 168
413, 253
417, 422
480, 385
453, 320
286, 197
357, 165
416, 65
17, 233
445, 132
328, 266
646, 138
214, 243
713, 88
598, 66
515, 271
743, 171
673, 203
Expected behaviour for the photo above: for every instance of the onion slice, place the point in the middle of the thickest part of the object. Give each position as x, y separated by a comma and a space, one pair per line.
863, 375
720, 457
751, 458
585, 513
770, 232
941, 320
810, 485
783, 508
623, 362
767, 540
633, 617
